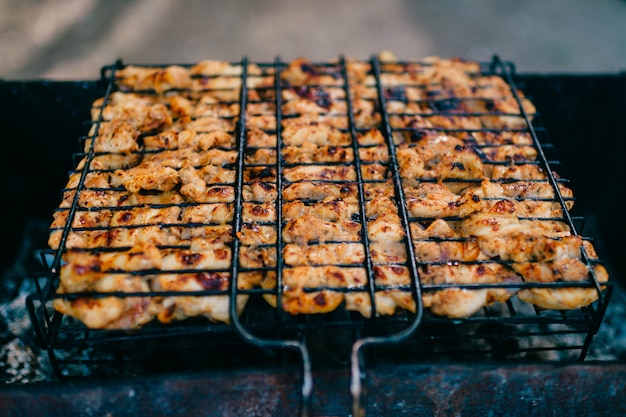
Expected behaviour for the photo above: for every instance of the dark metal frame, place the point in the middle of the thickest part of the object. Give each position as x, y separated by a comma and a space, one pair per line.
275, 329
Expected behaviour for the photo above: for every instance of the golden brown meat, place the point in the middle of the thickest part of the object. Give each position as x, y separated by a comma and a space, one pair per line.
156, 210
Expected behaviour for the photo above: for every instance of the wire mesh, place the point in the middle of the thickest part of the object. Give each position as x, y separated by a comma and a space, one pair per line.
256, 99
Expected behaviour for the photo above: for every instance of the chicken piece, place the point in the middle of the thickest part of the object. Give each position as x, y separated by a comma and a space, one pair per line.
378, 189
225, 95
560, 269
260, 173
318, 191
82, 218
310, 152
157, 119
318, 134
409, 122
260, 108
212, 174
215, 109
163, 140
264, 212
431, 147
219, 234
209, 124
385, 228
547, 228
566, 298
296, 300
374, 172
224, 83
538, 209
192, 184
260, 82
411, 164
431, 200
357, 70
257, 257
260, 192
261, 156
388, 252
219, 213
509, 117
257, 138
377, 153
216, 194
178, 158
111, 161
440, 229
455, 122
92, 180
370, 138
210, 68
82, 271
255, 234
534, 206
462, 164
214, 307
138, 216
323, 254
158, 79
180, 106
302, 72
265, 122
308, 228
458, 302
146, 177
535, 190
502, 138
508, 153
126, 106
319, 105
447, 251
310, 119
93, 198
319, 95
164, 198
455, 302
111, 312
121, 237
524, 247
211, 259
118, 136
379, 206
366, 115
206, 141
387, 300
401, 107
498, 219
518, 172
443, 157
330, 209
114, 198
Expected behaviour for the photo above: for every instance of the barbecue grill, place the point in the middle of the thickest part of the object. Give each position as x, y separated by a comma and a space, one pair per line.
496, 336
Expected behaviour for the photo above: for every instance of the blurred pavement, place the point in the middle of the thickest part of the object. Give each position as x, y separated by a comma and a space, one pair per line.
72, 39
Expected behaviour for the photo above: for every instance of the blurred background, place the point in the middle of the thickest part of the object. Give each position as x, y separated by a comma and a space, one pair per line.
72, 39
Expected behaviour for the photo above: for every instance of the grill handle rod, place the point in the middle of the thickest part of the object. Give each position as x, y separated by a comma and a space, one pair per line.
357, 371
299, 346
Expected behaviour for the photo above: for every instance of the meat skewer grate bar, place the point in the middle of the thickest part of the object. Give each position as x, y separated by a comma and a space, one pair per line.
266, 277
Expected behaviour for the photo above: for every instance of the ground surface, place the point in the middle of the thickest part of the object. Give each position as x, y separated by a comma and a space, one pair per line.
72, 39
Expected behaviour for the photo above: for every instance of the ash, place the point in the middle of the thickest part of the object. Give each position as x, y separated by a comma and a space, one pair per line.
21, 359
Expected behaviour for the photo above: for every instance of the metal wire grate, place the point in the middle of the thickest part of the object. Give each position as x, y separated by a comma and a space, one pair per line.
512, 329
